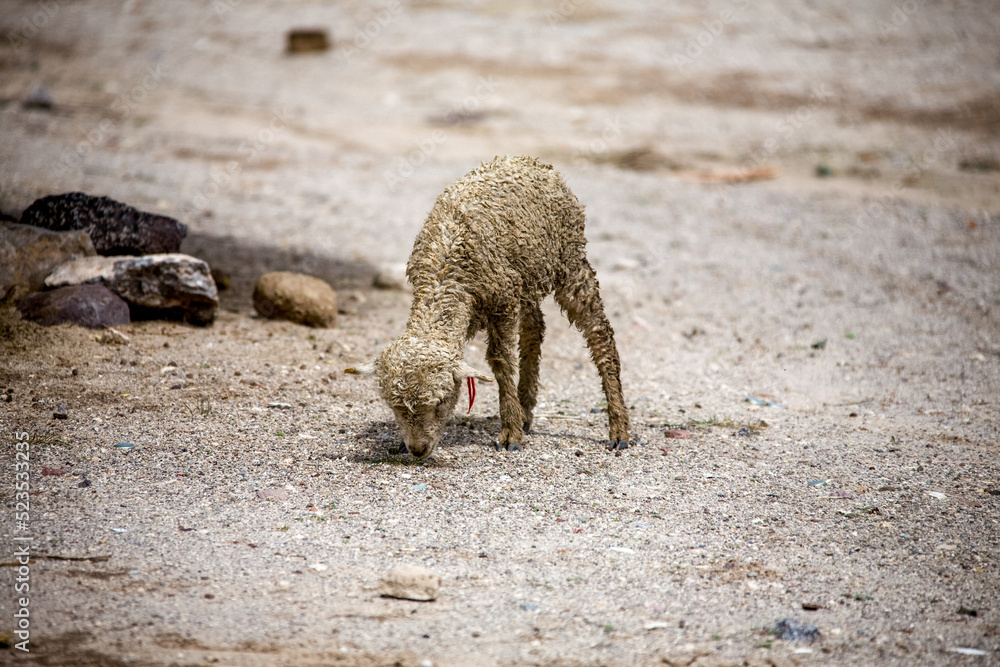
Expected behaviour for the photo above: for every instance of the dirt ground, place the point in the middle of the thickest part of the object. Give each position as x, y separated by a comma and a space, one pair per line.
788, 201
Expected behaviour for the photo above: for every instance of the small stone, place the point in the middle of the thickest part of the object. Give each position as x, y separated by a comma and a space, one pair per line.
295, 297
791, 630
410, 582
275, 494
28, 254
391, 276
115, 228
307, 40
39, 98
61, 412
167, 284
91, 306
678, 433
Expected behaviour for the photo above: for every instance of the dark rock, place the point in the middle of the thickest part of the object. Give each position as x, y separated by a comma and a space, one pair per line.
61, 411
307, 40
28, 254
39, 98
115, 228
791, 630
295, 297
91, 306
154, 285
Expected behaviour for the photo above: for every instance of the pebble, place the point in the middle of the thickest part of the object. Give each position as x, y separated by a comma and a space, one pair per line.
791, 630
307, 40
39, 98
272, 494
678, 433
410, 582
124, 445
391, 276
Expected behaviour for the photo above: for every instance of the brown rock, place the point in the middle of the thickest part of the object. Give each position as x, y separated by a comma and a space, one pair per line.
91, 306
28, 254
295, 297
307, 40
410, 582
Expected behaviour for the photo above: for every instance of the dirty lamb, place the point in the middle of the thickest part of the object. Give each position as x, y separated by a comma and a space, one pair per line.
496, 242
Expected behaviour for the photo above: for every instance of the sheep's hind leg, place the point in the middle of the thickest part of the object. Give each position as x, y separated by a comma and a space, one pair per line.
580, 299
500, 354
532, 332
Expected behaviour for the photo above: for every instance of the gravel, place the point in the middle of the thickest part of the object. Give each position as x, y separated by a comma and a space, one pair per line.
261, 500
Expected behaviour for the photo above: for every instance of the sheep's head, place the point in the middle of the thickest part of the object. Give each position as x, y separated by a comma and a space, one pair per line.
421, 382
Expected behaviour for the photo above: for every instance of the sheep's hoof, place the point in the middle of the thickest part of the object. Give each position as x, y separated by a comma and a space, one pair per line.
510, 446
617, 445
526, 427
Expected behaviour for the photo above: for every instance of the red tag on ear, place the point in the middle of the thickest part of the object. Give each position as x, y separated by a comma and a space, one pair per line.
471, 384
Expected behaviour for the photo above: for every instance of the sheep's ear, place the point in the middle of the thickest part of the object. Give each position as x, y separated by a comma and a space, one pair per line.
367, 368
464, 370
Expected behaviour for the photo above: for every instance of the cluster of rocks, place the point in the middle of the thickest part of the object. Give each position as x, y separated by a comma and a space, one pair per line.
96, 262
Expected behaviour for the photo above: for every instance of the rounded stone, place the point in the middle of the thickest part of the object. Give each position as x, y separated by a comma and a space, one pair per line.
295, 297
91, 306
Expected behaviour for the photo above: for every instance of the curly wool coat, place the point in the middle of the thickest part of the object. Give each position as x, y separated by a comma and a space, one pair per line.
496, 242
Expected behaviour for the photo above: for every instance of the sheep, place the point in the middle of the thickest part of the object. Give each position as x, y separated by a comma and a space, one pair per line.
496, 242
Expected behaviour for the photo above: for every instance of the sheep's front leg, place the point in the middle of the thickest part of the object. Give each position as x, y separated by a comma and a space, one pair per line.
580, 299
532, 332
500, 354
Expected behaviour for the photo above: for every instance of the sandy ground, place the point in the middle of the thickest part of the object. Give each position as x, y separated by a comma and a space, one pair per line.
859, 290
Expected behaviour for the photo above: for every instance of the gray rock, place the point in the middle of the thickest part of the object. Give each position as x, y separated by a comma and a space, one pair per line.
114, 227
91, 306
791, 630
39, 98
295, 297
168, 284
410, 582
28, 254
391, 275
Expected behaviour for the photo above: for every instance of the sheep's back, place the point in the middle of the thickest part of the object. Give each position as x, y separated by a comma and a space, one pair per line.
503, 231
